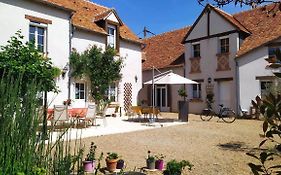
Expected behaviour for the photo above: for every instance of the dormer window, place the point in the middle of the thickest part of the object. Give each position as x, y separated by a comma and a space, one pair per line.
111, 38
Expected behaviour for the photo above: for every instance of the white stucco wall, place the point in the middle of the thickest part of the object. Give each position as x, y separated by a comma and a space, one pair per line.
112, 18
131, 54
251, 65
12, 19
200, 29
82, 40
218, 24
208, 65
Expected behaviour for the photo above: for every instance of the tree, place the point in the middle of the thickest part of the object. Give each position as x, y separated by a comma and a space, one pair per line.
100, 67
22, 58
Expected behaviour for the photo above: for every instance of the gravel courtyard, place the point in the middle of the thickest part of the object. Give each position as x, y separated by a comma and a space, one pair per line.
214, 148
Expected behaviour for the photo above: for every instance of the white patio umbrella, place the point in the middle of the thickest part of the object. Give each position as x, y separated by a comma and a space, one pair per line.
167, 78
170, 78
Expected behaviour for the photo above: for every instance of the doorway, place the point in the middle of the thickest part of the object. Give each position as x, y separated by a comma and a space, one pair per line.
225, 93
161, 98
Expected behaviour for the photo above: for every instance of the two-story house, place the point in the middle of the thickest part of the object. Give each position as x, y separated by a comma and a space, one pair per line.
226, 55
58, 26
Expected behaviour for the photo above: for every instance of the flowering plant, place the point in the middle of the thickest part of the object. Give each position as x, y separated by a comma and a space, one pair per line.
67, 102
150, 157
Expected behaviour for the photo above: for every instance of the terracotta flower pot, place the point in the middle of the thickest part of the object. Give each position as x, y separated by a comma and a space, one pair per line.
111, 164
89, 166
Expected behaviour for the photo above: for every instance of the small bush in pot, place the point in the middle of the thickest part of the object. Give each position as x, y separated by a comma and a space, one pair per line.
111, 161
150, 161
159, 164
175, 168
89, 163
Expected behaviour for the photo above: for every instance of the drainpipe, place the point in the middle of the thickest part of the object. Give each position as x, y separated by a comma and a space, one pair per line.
237, 87
71, 31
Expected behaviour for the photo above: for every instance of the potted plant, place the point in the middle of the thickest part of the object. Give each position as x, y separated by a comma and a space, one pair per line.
150, 161
89, 163
175, 168
183, 105
111, 161
159, 164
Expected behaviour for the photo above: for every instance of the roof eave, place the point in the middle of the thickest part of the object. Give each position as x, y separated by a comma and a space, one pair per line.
55, 5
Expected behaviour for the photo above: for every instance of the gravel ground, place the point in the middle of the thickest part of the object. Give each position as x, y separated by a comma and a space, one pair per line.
214, 148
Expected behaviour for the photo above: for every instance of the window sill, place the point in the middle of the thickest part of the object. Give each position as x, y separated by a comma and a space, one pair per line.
196, 100
194, 58
223, 54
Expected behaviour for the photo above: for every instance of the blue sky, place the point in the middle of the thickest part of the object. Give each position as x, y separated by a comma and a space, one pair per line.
159, 15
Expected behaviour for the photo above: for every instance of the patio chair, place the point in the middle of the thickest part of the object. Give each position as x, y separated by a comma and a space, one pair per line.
60, 114
90, 118
135, 111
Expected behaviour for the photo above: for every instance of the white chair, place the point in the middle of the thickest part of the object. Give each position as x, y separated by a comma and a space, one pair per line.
91, 114
60, 114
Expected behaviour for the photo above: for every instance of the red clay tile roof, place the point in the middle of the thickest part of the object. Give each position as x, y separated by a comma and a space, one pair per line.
85, 13
263, 28
164, 50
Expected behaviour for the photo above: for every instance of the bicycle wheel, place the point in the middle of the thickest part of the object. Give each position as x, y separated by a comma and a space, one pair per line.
229, 116
206, 115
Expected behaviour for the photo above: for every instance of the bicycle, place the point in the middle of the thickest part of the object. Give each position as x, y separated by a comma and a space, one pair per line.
226, 114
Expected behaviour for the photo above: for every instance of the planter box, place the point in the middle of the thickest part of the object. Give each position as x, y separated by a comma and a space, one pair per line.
183, 111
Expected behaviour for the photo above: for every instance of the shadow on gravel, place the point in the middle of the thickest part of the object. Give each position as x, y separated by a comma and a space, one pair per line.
236, 146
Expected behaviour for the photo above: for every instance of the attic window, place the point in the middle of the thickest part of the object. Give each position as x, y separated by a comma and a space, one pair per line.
111, 38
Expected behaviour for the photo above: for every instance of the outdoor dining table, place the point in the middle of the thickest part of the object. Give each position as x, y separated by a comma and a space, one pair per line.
72, 112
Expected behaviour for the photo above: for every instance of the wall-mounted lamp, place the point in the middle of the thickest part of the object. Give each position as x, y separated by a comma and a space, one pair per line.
136, 78
209, 80
64, 70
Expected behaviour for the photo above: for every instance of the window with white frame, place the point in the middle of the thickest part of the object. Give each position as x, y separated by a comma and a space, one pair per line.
111, 38
37, 35
80, 91
111, 93
265, 87
224, 45
196, 50
196, 91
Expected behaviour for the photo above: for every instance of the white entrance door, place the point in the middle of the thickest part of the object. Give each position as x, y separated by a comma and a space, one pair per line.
225, 93
80, 98
161, 97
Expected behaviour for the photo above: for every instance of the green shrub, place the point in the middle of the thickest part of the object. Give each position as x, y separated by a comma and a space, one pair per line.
175, 168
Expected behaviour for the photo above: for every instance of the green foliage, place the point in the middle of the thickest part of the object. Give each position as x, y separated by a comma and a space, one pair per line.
18, 57
100, 67
182, 92
91, 156
175, 168
269, 107
112, 156
150, 157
